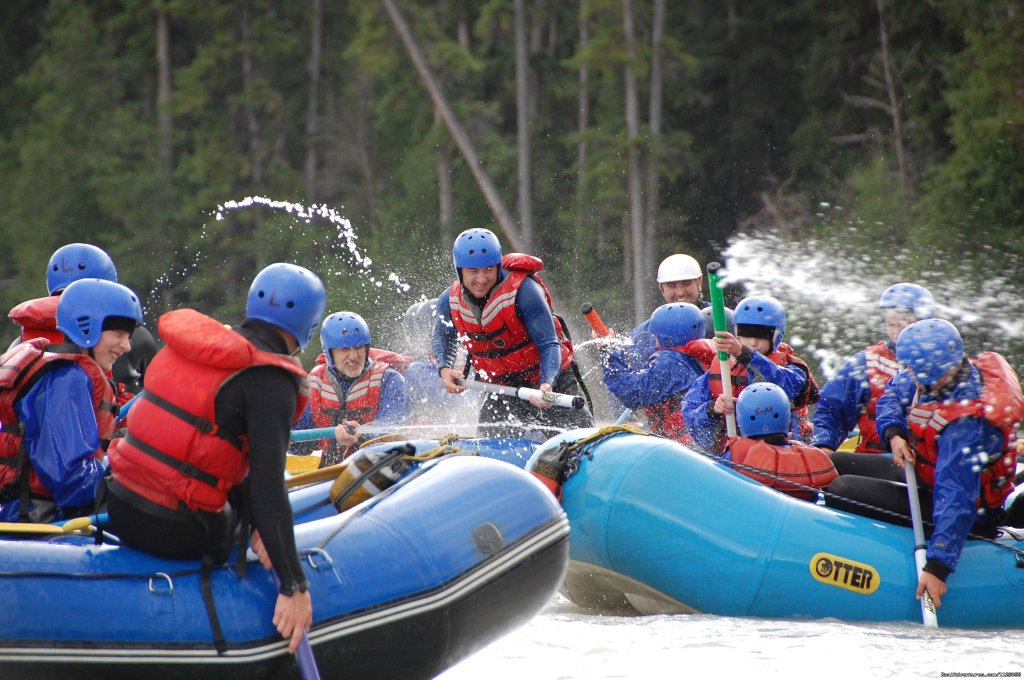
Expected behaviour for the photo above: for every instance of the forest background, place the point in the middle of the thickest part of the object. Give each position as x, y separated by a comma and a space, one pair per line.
600, 135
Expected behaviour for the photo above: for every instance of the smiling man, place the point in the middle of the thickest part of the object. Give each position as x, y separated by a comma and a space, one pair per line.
500, 312
57, 405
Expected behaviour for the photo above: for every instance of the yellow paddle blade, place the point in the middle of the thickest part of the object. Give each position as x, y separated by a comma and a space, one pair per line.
78, 525
314, 476
850, 445
294, 465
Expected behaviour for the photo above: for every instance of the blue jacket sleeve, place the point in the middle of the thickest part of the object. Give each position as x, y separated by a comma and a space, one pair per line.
841, 402
791, 378
532, 307
394, 398
644, 345
962, 445
706, 428
665, 374
444, 339
892, 407
62, 435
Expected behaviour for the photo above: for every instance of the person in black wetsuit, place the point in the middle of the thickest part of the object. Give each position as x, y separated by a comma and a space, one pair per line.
180, 488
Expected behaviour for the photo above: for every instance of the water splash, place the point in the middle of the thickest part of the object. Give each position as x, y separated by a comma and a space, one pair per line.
830, 294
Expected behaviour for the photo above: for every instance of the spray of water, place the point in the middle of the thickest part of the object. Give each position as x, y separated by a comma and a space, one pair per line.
830, 295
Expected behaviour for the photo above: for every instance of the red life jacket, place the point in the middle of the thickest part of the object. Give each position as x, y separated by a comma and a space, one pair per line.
174, 454
1001, 404
666, 417
498, 344
783, 356
20, 369
38, 319
793, 462
362, 401
882, 365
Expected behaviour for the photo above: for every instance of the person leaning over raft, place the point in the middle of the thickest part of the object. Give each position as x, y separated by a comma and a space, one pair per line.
502, 312
206, 441
58, 406
954, 419
348, 388
850, 398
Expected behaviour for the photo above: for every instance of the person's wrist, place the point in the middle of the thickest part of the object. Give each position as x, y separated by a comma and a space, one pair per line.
290, 588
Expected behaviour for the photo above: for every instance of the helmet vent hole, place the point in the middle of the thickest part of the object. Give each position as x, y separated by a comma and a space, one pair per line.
81, 266
260, 294
291, 304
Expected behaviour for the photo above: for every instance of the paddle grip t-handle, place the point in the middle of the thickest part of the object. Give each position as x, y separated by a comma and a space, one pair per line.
594, 319
721, 325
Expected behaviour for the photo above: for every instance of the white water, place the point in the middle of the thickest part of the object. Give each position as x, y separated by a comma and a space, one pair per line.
564, 643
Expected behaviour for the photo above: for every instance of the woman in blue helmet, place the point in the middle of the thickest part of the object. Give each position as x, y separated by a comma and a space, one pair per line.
347, 388
764, 450
57, 404
850, 398
658, 387
965, 474
757, 355
204, 454
500, 311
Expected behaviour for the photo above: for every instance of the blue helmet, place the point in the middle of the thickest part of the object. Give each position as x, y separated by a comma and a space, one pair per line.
910, 296
929, 349
342, 330
709, 322
290, 297
78, 261
86, 304
476, 248
762, 408
762, 310
676, 324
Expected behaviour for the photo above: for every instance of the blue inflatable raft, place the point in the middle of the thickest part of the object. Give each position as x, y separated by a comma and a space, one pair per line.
658, 528
457, 553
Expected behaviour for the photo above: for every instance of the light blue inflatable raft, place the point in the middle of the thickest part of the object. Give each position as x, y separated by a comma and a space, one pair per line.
658, 528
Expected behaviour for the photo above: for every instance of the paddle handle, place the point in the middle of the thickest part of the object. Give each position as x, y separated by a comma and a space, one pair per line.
721, 325
928, 616
524, 393
594, 319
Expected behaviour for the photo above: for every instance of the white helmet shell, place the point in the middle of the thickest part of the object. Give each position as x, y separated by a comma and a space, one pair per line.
678, 267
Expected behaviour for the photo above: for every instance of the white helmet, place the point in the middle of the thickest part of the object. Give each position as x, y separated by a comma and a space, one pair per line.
678, 267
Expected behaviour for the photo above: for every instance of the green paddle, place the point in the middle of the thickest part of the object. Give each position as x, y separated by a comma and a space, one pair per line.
721, 326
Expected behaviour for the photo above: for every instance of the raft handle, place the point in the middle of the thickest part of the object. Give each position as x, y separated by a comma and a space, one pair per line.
170, 584
1019, 561
322, 553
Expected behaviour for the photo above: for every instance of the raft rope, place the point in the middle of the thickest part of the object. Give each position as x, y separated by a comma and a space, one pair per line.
575, 451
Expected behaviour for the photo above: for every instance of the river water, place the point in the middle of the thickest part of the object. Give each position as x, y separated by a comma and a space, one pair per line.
565, 643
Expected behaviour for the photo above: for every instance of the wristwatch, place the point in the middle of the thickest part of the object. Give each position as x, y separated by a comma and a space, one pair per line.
288, 589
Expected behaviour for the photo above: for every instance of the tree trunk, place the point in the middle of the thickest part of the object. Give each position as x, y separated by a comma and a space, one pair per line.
892, 90
364, 154
312, 117
654, 124
501, 215
636, 222
165, 121
582, 123
252, 120
523, 122
445, 188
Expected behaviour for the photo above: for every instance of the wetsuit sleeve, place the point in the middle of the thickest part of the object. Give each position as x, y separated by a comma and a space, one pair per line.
269, 397
394, 398
62, 435
839, 406
444, 339
532, 307
791, 378
706, 427
666, 373
963, 445
891, 411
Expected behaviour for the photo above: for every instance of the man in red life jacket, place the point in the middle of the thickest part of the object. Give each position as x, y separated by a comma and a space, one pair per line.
206, 442
764, 445
348, 388
758, 355
37, 317
955, 418
57, 405
849, 399
657, 388
500, 311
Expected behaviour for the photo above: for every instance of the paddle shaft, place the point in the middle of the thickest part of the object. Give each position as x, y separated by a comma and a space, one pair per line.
524, 393
304, 654
928, 615
594, 319
721, 325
